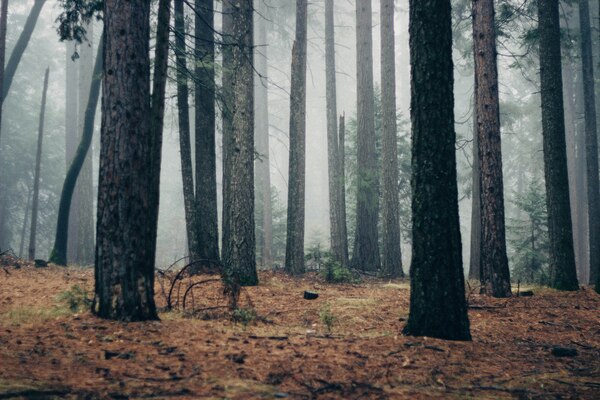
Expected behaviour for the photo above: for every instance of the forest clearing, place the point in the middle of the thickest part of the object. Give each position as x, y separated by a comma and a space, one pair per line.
283, 349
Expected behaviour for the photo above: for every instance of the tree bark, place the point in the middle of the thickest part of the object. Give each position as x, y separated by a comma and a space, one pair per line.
392, 256
495, 276
437, 297
294, 252
38, 162
124, 268
3, 23
25, 222
342, 188
562, 256
475, 257
591, 140
187, 174
365, 254
239, 252
206, 167
63, 226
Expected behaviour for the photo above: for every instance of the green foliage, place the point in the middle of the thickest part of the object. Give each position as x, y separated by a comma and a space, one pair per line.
528, 237
76, 299
244, 316
279, 214
75, 15
327, 318
334, 272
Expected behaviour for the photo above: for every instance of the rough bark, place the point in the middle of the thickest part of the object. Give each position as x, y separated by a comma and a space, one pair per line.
36, 178
72, 139
562, 256
475, 256
392, 256
185, 146
365, 254
124, 267
591, 139
63, 226
494, 273
294, 251
239, 252
206, 167
437, 297
261, 126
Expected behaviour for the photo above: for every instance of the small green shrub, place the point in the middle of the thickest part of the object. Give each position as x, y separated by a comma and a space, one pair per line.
76, 299
244, 316
334, 272
327, 318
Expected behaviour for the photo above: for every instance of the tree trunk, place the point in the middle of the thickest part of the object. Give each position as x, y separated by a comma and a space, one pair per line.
124, 270
495, 276
392, 256
365, 254
3, 22
239, 252
437, 297
342, 188
562, 256
475, 257
591, 139
294, 252
333, 149
262, 164
25, 222
187, 174
206, 167
72, 138
63, 226
36, 179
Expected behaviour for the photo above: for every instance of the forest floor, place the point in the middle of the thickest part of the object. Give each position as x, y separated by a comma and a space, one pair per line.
281, 347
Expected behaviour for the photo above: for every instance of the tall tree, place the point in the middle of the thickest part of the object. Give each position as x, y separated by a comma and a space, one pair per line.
392, 256
36, 178
206, 167
475, 256
494, 275
342, 178
261, 126
591, 139
3, 22
128, 184
365, 254
437, 297
63, 226
294, 252
185, 147
562, 256
239, 253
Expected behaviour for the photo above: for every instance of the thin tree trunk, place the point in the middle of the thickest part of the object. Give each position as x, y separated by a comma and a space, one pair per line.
72, 138
392, 256
437, 297
187, 174
475, 257
25, 222
495, 276
3, 22
562, 256
36, 179
294, 252
591, 140
239, 251
63, 226
206, 167
342, 187
366, 246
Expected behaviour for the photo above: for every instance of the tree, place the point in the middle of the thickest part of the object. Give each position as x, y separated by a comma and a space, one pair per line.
206, 167
342, 177
562, 255
239, 252
294, 253
72, 138
38, 162
128, 184
392, 256
366, 245
63, 226
495, 276
591, 140
475, 256
437, 297
3, 23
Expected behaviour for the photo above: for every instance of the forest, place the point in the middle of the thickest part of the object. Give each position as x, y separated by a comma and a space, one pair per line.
243, 199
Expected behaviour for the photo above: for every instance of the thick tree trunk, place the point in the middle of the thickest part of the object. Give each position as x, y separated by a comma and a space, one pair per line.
437, 297
562, 256
365, 254
392, 256
124, 270
36, 178
475, 257
72, 139
591, 140
294, 252
261, 126
187, 174
63, 225
206, 167
239, 252
342, 188
495, 276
